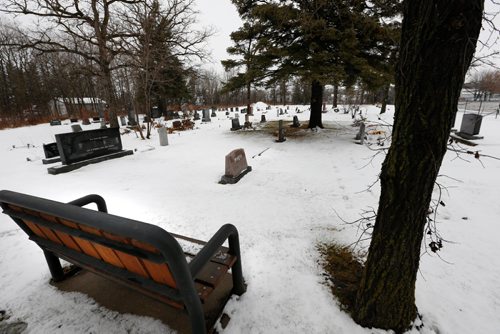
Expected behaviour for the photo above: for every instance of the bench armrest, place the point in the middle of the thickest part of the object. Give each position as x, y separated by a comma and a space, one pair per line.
98, 200
226, 232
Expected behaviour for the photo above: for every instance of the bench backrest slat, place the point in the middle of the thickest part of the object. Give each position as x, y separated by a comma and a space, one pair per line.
39, 222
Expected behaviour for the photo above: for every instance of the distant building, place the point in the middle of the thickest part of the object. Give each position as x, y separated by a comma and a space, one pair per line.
64, 107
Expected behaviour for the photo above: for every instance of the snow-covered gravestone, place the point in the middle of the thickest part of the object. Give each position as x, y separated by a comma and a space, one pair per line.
236, 167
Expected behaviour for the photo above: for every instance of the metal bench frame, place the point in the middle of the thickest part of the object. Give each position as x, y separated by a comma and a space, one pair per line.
170, 251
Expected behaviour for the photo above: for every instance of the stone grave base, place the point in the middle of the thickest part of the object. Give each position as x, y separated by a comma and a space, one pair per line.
68, 168
49, 161
462, 140
122, 299
232, 180
468, 136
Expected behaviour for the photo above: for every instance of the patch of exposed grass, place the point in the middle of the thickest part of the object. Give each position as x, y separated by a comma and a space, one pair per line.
270, 128
343, 271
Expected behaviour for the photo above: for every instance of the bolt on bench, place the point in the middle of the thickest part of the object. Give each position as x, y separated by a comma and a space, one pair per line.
176, 270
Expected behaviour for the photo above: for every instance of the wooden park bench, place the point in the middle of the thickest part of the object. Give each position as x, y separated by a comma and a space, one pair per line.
179, 271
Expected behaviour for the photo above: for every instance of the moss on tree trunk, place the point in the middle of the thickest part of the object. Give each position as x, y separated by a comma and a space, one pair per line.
437, 43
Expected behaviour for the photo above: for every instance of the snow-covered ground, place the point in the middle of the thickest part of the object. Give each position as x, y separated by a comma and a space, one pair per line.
283, 208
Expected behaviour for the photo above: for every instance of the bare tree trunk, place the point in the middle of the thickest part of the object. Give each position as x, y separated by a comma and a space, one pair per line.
335, 95
437, 44
249, 92
385, 96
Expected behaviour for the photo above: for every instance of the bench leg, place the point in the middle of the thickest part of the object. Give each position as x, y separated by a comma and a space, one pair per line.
239, 286
54, 266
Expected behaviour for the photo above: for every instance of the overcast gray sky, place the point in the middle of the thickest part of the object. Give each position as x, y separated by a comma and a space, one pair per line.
223, 16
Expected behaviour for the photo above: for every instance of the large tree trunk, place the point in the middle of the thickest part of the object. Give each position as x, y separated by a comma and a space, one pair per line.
437, 43
316, 104
109, 91
249, 99
385, 97
335, 95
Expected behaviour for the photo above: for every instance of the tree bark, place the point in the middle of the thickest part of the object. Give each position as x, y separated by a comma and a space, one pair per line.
385, 96
437, 44
249, 99
335, 95
315, 119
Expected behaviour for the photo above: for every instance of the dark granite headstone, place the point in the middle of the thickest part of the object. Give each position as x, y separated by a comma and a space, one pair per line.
213, 113
123, 121
236, 167
96, 119
76, 128
471, 124
296, 123
51, 153
50, 150
74, 120
235, 124
281, 132
206, 115
231, 109
55, 122
196, 116
262, 118
79, 146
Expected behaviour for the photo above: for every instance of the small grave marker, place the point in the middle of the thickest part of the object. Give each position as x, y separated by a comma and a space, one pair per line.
55, 122
235, 124
262, 118
163, 134
296, 123
206, 115
281, 132
51, 153
196, 116
76, 128
236, 167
